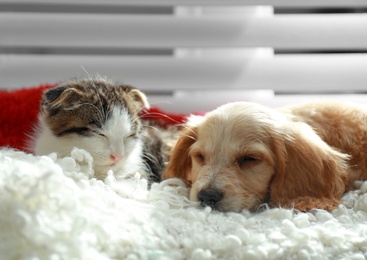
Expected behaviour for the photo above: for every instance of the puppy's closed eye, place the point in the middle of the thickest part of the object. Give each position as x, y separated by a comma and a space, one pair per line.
247, 160
199, 157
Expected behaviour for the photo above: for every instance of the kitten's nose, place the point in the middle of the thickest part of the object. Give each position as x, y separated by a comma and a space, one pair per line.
209, 197
116, 157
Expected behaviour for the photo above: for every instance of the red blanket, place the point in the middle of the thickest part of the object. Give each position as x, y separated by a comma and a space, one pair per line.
19, 111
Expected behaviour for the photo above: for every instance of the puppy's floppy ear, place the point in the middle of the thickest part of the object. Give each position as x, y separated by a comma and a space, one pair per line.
179, 165
309, 173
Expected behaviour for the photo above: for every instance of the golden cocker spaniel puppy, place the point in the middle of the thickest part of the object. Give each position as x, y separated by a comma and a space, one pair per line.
242, 155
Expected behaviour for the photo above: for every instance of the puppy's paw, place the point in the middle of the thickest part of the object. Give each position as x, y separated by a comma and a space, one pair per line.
305, 204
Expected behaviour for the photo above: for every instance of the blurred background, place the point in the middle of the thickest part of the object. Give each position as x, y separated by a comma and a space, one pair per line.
192, 55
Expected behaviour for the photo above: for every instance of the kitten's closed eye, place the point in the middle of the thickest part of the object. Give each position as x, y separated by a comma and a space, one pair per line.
82, 131
132, 135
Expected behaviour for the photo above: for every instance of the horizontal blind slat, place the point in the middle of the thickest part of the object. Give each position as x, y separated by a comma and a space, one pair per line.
277, 3
164, 31
285, 73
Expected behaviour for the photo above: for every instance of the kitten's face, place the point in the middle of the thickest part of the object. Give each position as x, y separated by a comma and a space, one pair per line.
97, 116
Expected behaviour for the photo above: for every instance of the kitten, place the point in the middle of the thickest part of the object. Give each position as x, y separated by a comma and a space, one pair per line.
103, 119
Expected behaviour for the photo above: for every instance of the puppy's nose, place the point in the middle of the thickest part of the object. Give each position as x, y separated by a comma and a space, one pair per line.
209, 197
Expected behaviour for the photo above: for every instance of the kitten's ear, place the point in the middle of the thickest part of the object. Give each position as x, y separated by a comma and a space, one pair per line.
56, 96
53, 93
139, 97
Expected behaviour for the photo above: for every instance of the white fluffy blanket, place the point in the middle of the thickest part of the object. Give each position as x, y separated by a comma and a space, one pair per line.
52, 209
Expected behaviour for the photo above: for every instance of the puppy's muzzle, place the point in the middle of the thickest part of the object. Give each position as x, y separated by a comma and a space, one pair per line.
209, 197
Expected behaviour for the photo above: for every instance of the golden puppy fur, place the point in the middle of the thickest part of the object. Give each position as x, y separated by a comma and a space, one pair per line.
244, 154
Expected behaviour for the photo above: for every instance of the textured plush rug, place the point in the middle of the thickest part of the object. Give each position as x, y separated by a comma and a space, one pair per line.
52, 209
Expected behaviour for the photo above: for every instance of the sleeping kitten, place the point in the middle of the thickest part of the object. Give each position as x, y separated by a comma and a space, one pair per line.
103, 119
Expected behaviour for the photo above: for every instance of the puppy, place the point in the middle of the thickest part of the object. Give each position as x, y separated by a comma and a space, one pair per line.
242, 155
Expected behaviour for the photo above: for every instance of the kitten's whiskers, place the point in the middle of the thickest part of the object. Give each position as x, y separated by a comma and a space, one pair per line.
86, 72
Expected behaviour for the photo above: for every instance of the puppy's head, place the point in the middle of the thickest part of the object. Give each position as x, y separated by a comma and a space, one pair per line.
242, 154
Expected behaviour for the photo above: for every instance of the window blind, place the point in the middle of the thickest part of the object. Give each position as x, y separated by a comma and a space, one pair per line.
222, 50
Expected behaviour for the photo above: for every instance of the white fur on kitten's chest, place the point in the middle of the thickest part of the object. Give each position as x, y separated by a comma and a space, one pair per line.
116, 137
